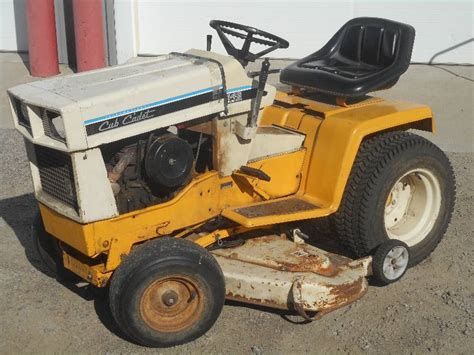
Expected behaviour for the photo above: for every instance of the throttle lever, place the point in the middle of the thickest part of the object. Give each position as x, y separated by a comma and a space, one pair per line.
262, 80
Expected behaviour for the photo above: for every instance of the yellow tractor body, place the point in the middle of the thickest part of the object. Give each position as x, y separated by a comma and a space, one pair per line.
304, 184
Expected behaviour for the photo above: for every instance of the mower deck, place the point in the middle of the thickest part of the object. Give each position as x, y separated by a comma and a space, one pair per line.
276, 272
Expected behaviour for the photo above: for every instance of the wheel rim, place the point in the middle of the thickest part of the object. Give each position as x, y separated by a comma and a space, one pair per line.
395, 263
172, 304
413, 206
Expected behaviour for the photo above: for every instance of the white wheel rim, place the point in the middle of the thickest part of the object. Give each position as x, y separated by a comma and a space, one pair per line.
413, 206
395, 263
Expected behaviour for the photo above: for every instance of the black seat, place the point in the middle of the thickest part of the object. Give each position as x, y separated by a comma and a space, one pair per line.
366, 54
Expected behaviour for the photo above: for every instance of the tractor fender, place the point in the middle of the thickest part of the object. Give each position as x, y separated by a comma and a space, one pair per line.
339, 137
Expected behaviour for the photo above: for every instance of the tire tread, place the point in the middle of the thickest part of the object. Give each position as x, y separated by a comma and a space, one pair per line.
375, 154
140, 257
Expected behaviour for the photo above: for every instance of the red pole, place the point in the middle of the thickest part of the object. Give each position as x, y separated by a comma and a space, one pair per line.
89, 34
42, 44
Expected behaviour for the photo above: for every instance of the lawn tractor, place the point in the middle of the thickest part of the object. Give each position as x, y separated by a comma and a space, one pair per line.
184, 179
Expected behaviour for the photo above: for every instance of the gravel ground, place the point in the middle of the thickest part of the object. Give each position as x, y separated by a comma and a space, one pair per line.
430, 310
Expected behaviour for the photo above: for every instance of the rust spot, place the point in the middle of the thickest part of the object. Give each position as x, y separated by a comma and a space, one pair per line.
172, 304
256, 301
310, 264
102, 281
338, 260
345, 294
298, 258
341, 295
347, 291
266, 239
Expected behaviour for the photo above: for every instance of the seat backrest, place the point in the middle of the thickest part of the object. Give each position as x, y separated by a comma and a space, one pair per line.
375, 41
367, 54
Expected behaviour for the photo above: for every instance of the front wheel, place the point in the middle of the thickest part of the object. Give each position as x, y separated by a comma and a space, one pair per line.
401, 187
49, 253
167, 292
46, 247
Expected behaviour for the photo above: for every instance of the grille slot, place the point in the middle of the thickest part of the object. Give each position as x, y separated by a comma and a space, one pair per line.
22, 116
46, 123
56, 175
48, 126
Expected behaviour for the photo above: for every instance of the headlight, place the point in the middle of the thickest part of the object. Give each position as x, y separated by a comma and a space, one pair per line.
53, 125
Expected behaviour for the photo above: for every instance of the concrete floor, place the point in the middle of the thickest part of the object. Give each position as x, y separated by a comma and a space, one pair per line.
430, 310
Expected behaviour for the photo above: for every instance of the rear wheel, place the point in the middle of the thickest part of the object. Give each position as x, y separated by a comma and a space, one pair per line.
413, 206
167, 292
401, 187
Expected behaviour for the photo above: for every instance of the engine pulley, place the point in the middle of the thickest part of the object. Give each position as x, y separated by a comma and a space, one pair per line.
169, 161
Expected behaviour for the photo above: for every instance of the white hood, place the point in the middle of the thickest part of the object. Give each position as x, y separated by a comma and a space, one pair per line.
109, 104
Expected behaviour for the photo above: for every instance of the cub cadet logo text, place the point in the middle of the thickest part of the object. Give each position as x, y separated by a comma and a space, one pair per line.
165, 107
123, 121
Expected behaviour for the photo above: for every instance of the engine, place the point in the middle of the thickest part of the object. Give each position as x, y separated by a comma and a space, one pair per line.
152, 168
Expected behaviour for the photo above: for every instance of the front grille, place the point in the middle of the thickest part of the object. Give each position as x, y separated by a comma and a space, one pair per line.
56, 175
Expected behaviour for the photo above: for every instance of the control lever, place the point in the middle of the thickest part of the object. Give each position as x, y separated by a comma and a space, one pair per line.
254, 74
257, 173
208, 43
262, 80
249, 130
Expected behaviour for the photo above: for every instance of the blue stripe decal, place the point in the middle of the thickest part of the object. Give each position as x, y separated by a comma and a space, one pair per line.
162, 102
240, 88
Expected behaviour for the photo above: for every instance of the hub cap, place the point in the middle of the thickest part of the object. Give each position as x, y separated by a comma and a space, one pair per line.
172, 304
395, 262
412, 206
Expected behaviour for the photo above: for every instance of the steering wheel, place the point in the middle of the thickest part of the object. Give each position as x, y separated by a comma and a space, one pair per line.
249, 35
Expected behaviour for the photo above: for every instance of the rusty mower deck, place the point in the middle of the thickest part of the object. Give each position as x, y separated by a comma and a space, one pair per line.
280, 273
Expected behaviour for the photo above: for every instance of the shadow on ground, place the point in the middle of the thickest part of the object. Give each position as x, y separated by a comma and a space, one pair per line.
18, 213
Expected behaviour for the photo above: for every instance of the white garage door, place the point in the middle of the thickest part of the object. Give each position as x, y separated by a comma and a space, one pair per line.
165, 26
